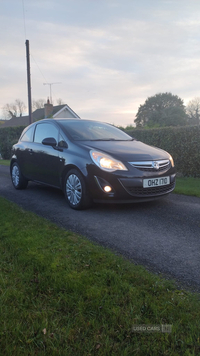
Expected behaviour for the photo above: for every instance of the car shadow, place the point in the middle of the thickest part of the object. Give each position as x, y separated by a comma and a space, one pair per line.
56, 194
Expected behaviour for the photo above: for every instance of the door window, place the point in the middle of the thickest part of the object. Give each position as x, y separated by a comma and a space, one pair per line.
45, 130
28, 135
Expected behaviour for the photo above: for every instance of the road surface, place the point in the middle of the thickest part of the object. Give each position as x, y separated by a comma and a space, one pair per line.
163, 236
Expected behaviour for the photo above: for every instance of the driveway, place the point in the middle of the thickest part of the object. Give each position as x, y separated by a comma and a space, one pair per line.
163, 236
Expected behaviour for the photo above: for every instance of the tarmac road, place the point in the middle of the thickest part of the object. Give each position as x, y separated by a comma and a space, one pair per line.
163, 236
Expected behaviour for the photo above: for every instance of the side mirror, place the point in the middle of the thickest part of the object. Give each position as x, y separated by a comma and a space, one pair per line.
62, 144
49, 141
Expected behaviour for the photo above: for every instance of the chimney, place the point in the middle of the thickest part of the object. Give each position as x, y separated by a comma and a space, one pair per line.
48, 109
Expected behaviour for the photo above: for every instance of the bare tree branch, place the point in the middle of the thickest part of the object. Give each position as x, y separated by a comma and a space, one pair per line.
193, 111
38, 104
60, 101
14, 109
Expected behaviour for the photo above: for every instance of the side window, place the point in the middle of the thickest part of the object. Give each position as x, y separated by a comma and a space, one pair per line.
45, 130
28, 135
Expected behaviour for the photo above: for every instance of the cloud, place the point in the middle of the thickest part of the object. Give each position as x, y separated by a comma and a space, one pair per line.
108, 55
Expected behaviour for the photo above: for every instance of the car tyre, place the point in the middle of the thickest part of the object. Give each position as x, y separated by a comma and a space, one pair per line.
76, 192
18, 180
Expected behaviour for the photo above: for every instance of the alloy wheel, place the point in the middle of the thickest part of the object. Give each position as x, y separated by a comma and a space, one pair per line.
74, 189
15, 175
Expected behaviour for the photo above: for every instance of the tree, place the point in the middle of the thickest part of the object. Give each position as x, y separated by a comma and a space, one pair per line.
18, 108
193, 111
38, 104
14, 109
60, 101
163, 109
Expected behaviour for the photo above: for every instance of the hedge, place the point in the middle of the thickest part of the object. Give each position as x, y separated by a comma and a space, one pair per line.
8, 137
183, 143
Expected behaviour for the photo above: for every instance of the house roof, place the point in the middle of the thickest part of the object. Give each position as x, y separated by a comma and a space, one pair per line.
16, 121
37, 115
60, 108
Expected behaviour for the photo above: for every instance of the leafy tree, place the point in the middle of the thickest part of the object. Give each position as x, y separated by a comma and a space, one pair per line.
14, 109
163, 109
193, 111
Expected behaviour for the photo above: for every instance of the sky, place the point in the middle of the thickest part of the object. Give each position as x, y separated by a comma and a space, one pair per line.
104, 58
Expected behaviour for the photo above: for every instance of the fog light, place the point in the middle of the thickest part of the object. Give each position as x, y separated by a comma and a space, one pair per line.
107, 189
104, 186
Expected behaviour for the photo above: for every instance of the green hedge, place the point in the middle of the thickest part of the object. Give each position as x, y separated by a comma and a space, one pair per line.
8, 137
183, 143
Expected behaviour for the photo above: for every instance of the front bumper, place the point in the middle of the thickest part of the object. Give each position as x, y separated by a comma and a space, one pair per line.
135, 188
129, 188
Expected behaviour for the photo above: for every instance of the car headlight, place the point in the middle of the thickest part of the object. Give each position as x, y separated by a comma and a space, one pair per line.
106, 162
171, 160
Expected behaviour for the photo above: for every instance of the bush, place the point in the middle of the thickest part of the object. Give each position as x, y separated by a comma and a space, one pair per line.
8, 137
183, 143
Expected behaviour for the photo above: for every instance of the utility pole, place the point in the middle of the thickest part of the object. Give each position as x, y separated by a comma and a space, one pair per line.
28, 81
50, 84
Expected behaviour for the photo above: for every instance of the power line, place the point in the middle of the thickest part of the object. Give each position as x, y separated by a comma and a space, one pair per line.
38, 67
50, 84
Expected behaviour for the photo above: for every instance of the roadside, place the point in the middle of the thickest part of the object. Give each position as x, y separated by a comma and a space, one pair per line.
188, 186
4, 162
61, 294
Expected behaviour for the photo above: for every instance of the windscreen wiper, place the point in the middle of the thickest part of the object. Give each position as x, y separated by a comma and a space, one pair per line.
110, 139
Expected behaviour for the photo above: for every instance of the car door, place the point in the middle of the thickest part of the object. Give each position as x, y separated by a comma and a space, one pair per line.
24, 152
45, 159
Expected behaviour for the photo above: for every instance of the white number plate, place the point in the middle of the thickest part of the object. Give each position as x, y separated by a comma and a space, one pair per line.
155, 182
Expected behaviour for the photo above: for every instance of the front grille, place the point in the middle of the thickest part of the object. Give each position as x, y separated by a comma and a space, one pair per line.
148, 166
140, 191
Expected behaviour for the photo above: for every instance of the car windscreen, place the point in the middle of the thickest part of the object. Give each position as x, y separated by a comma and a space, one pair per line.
93, 131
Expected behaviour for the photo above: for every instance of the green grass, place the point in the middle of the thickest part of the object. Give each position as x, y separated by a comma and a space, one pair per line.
188, 186
62, 295
4, 162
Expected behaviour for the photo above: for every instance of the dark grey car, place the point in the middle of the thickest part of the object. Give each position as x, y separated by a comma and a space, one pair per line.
90, 161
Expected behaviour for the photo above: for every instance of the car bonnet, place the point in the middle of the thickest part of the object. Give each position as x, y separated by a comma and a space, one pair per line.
127, 150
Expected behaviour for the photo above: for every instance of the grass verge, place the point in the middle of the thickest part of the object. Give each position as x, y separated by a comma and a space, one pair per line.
62, 295
188, 186
4, 162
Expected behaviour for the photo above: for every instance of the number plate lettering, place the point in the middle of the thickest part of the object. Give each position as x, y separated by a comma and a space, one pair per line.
155, 182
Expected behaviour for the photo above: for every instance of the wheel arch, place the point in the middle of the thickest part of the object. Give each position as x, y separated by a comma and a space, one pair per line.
18, 180
66, 170
76, 191
13, 160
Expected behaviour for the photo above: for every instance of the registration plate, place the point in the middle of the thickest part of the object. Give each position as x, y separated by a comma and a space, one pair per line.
155, 182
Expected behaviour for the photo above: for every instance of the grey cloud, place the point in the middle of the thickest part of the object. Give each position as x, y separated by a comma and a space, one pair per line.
109, 55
